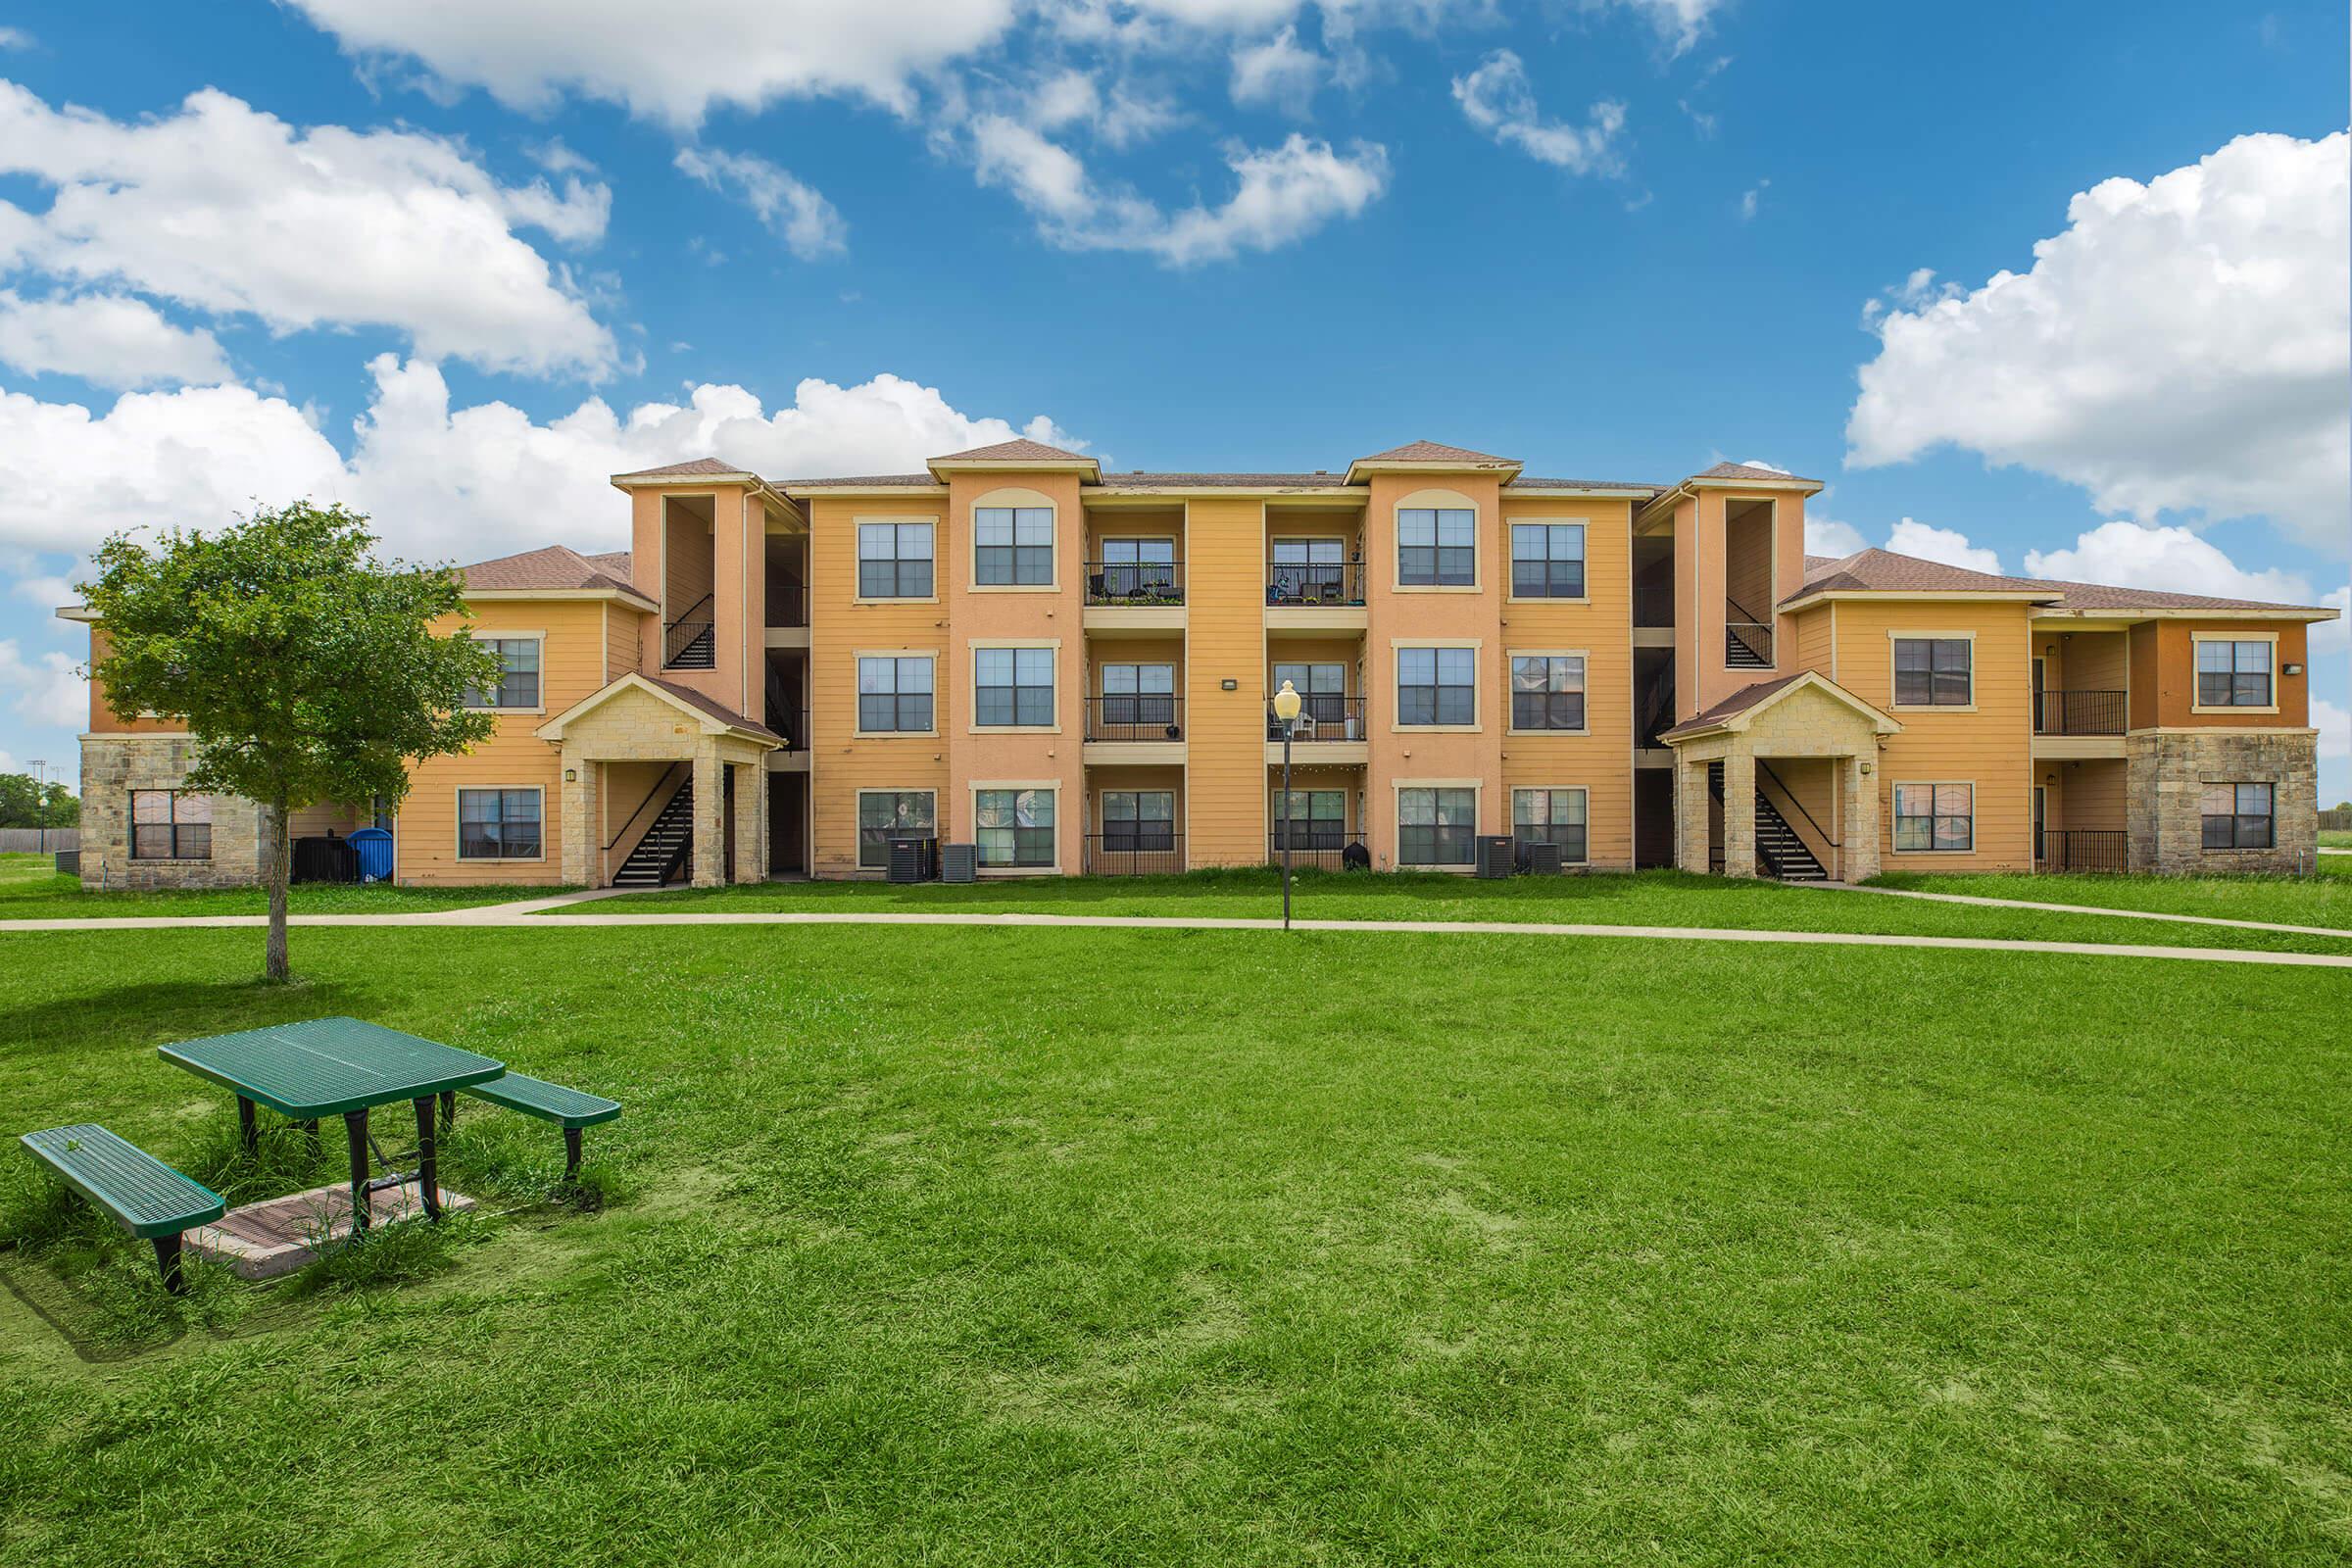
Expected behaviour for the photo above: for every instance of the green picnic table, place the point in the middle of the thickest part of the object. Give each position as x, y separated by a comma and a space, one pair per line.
339, 1067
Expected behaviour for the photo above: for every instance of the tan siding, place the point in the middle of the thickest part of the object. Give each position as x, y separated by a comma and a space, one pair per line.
1809, 633
624, 631
1599, 760
1226, 736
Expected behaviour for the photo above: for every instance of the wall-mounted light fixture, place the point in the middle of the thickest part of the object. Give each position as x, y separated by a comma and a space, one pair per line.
571, 776
1229, 685
2294, 669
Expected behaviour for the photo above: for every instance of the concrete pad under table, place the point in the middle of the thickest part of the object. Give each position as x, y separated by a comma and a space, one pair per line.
263, 1241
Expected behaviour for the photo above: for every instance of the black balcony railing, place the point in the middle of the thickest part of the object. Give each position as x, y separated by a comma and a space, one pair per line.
1139, 848
2080, 714
1319, 584
787, 604
791, 722
1654, 605
1139, 716
1322, 717
1141, 583
691, 642
1312, 848
2076, 849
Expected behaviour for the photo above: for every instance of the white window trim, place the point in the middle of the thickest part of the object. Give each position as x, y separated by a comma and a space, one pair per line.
858, 731
1478, 706
938, 530
457, 822
1510, 692
975, 728
972, 804
1052, 585
2195, 707
1907, 635
1586, 790
1893, 785
1478, 818
479, 634
857, 821
1511, 560
1478, 551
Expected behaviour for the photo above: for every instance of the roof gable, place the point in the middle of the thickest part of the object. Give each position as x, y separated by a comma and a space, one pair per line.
1739, 711
714, 717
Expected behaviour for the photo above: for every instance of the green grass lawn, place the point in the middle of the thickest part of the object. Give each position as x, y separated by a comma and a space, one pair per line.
2335, 838
2323, 898
990, 1246
1649, 898
31, 890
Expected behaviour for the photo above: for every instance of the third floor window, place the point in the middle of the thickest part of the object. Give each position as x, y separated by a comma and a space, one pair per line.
1436, 547
893, 560
1548, 560
1013, 545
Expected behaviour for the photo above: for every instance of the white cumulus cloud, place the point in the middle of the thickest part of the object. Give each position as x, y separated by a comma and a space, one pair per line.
1499, 99
807, 223
109, 340
43, 687
1276, 73
2183, 345
1911, 537
228, 211
2175, 560
1826, 536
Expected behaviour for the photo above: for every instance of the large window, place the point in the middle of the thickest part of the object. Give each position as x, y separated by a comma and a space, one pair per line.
1013, 545
497, 824
2233, 675
1322, 692
1548, 692
2239, 817
1552, 816
1436, 547
1137, 568
1318, 819
1015, 826
1308, 569
1548, 560
1139, 819
1013, 687
1139, 694
894, 694
886, 814
518, 675
170, 826
1933, 671
1436, 685
1436, 827
893, 560
1934, 817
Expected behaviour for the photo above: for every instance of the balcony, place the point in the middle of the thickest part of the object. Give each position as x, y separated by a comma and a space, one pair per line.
691, 641
1143, 850
2078, 725
1322, 595
787, 614
1331, 729
1146, 727
2076, 849
1134, 596
1312, 848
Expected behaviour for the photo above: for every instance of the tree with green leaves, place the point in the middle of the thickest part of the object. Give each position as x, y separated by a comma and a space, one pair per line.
27, 802
305, 669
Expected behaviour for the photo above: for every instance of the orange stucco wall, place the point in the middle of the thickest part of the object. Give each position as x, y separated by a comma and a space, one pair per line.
2164, 676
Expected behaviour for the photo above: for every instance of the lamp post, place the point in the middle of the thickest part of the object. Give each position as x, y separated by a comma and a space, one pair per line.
1286, 708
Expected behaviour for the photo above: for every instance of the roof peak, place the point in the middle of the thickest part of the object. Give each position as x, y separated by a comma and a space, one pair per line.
1437, 452
1018, 450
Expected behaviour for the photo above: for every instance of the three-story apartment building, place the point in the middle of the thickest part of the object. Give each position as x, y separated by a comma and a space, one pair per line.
1070, 670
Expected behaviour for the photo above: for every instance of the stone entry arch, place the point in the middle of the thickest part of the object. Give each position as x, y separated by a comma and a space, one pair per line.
1804, 718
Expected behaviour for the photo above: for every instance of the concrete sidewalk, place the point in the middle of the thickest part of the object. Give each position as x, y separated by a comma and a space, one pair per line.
2078, 908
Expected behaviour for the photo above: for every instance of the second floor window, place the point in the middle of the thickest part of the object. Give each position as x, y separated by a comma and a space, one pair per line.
170, 826
1013, 687
1322, 690
893, 560
1548, 692
518, 675
1013, 545
1436, 547
2238, 816
1548, 560
1139, 694
1436, 686
1317, 819
1933, 671
2233, 675
1934, 817
1436, 827
894, 694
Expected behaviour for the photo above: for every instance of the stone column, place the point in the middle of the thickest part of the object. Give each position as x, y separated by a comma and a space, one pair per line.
709, 815
750, 824
1738, 812
1861, 836
1690, 816
580, 835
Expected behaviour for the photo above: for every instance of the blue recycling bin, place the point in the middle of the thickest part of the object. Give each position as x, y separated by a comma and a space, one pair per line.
375, 846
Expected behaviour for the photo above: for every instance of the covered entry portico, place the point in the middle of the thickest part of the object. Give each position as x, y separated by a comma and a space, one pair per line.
1799, 754
640, 735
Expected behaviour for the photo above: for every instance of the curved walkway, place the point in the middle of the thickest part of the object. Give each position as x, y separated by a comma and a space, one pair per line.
520, 916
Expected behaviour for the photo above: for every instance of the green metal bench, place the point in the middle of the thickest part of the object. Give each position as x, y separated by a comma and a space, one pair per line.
568, 1108
147, 1197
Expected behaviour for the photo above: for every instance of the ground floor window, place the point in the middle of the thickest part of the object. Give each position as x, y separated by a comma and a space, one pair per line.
1435, 826
1934, 817
170, 826
498, 825
2239, 817
1552, 816
886, 814
1015, 826
1318, 819
1139, 819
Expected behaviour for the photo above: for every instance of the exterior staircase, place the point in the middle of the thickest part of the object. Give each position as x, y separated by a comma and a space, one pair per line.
666, 848
1779, 852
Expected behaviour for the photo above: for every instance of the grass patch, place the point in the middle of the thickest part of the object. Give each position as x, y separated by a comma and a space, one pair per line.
1648, 898
2323, 898
30, 889
2335, 838
978, 1246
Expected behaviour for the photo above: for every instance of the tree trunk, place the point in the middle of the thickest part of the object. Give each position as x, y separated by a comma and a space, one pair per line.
275, 872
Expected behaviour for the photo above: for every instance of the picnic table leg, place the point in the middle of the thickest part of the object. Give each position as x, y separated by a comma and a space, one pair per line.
167, 1259
355, 1127
428, 1166
247, 1132
572, 1153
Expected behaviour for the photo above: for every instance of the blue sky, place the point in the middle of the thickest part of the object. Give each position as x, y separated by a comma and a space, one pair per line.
523, 245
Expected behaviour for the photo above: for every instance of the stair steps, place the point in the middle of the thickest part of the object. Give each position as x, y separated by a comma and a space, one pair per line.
666, 848
1779, 848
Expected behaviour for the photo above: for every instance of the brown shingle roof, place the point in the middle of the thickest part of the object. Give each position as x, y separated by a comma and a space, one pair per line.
688, 469
2100, 596
612, 563
555, 568
717, 710
1748, 470
788, 486
1016, 450
1145, 480
1524, 482
1740, 702
1884, 571
1434, 452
